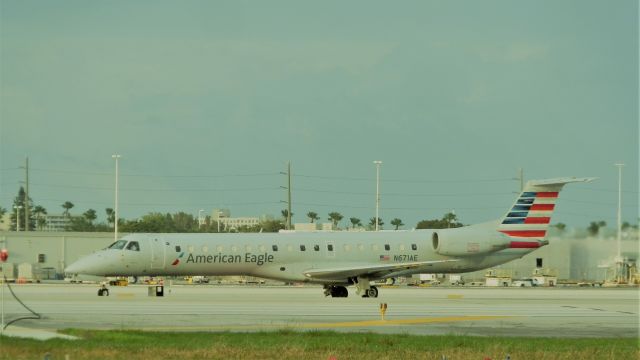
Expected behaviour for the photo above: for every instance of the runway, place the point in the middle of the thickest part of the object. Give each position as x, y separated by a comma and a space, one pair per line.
538, 312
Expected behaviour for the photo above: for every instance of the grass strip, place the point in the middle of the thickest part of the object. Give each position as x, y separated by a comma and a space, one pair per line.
288, 344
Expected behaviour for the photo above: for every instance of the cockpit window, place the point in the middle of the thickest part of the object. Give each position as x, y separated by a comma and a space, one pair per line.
133, 246
118, 245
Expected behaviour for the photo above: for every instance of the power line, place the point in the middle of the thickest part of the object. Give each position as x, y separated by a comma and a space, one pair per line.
153, 175
401, 208
158, 190
600, 203
402, 180
403, 194
605, 190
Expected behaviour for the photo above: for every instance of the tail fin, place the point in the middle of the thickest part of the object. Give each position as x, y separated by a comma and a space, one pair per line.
530, 216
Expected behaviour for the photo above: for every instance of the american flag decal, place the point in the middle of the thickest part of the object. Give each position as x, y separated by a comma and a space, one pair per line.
384, 257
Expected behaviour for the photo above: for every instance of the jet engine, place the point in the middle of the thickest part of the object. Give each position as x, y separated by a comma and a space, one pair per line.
468, 243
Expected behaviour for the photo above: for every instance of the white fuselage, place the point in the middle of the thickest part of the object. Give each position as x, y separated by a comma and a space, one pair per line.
287, 256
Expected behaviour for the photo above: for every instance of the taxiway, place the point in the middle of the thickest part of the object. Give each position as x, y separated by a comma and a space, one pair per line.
538, 312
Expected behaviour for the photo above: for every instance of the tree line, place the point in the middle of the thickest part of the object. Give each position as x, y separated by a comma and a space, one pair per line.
155, 222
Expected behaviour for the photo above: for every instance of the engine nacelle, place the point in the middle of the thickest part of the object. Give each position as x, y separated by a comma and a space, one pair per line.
462, 242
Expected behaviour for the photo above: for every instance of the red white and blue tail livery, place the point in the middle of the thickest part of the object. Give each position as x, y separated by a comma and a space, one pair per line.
528, 220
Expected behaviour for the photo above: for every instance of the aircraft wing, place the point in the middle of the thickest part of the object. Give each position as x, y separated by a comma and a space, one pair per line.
371, 272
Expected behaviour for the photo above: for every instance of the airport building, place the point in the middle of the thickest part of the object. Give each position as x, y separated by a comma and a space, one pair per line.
569, 258
228, 223
52, 222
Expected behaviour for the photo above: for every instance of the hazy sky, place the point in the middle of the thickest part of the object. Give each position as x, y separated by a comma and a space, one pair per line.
206, 101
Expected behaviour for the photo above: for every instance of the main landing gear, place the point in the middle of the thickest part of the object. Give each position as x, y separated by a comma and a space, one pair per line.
336, 291
363, 288
372, 292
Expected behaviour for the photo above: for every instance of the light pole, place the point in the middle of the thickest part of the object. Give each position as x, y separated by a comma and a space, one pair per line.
378, 163
115, 227
619, 262
18, 216
200, 219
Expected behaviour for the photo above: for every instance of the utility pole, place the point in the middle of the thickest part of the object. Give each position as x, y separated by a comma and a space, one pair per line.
520, 177
26, 196
619, 260
287, 224
26, 200
17, 217
289, 194
378, 163
115, 227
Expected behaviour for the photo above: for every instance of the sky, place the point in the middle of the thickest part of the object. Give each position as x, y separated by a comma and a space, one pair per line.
207, 101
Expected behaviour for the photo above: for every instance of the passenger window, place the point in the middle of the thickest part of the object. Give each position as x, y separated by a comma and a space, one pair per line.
316, 247
205, 249
190, 249
374, 247
303, 248
248, 248
118, 245
262, 248
387, 247
177, 248
133, 246
360, 247
275, 247
219, 248
347, 248
330, 247
289, 248
414, 247
401, 247
234, 248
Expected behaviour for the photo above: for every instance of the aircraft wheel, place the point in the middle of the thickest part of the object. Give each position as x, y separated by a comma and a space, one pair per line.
339, 291
99, 292
372, 292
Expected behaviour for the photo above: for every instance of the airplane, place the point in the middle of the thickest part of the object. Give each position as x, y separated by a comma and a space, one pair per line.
337, 259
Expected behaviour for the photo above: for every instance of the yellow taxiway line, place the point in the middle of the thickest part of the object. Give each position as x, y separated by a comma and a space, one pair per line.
345, 324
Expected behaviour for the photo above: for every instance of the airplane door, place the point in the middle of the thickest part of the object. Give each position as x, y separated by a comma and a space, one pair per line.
158, 253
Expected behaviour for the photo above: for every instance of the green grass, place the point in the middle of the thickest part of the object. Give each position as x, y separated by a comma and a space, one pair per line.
131, 345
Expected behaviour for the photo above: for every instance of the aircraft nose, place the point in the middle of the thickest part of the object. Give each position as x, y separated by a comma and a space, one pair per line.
88, 265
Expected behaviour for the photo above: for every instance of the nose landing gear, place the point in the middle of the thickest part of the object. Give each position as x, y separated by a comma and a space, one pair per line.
103, 291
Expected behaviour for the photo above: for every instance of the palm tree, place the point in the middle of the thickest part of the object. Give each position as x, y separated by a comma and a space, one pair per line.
335, 218
90, 215
111, 216
397, 223
355, 222
450, 218
372, 222
285, 214
560, 226
38, 211
2, 212
312, 216
68, 205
